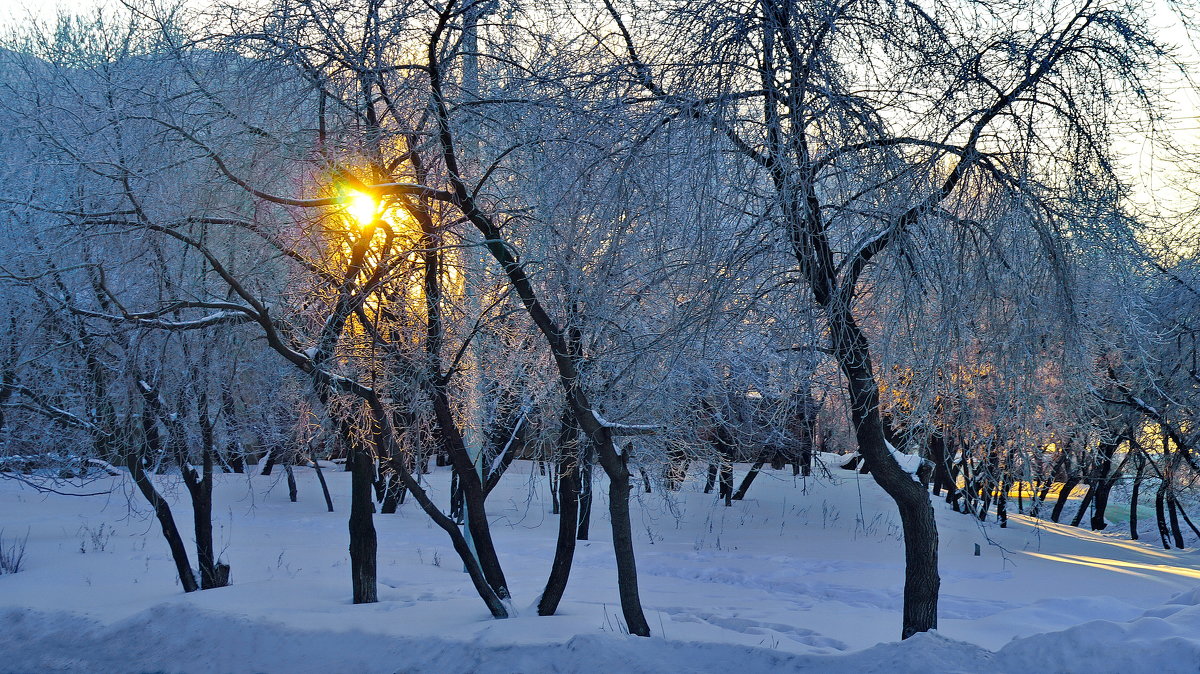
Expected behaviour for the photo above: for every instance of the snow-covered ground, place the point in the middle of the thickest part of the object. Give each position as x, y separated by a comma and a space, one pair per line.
803, 575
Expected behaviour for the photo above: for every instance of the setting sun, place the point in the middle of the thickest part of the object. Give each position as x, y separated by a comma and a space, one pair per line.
362, 207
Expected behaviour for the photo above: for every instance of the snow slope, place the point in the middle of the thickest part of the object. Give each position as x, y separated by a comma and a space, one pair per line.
804, 575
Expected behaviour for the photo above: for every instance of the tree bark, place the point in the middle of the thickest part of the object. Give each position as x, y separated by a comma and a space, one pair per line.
1104, 481
165, 520
1083, 506
1161, 517
291, 481
363, 540
1067, 488
1176, 532
324, 487
921, 580
385, 436
748, 480
1133, 497
586, 493
471, 488
568, 496
622, 531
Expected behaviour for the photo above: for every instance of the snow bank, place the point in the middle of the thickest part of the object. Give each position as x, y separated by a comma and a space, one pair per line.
183, 638
1165, 639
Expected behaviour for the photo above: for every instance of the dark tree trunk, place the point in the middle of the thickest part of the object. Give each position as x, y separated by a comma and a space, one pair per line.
585, 490
806, 459
166, 521
1102, 483
622, 531
807, 431
953, 493
379, 485
563, 348
269, 463
1176, 532
937, 454
921, 580
1048, 482
1140, 465
726, 491
748, 480
161, 510
568, 488
1067, 488
291, 480
555, 489
236, 458
1183, 514
1021, 493
564, 550
965, 502
456, 496
1100, 504
1083, 506
1002, 504
493, 477
363, 542
391, 496
514, 435
712, 478
471, 487
199, 486
986, 486
386, 446
324, 487
233, 451
1161, 516
724, 445
212, 573
675, 472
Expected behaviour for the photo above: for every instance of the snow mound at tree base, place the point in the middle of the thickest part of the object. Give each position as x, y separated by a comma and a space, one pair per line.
182, 638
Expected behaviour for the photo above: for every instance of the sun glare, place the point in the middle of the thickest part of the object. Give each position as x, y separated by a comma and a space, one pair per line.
362, 207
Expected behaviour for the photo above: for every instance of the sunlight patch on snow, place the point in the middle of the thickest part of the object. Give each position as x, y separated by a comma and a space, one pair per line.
1091, 536
1118, 565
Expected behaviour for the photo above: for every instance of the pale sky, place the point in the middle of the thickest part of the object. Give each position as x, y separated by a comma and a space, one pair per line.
1151, 172
18, 10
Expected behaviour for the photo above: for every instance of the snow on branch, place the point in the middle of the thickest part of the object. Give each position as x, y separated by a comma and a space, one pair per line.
909, 463
626, 429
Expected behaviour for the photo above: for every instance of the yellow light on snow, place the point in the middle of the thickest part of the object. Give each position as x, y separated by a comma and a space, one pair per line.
362, 207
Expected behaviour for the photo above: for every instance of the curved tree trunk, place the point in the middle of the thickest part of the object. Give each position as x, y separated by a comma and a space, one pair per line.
1176, 532
1161, 517
921, 580
324, 486
1063, 495
568, 495
167, 521
622, 531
